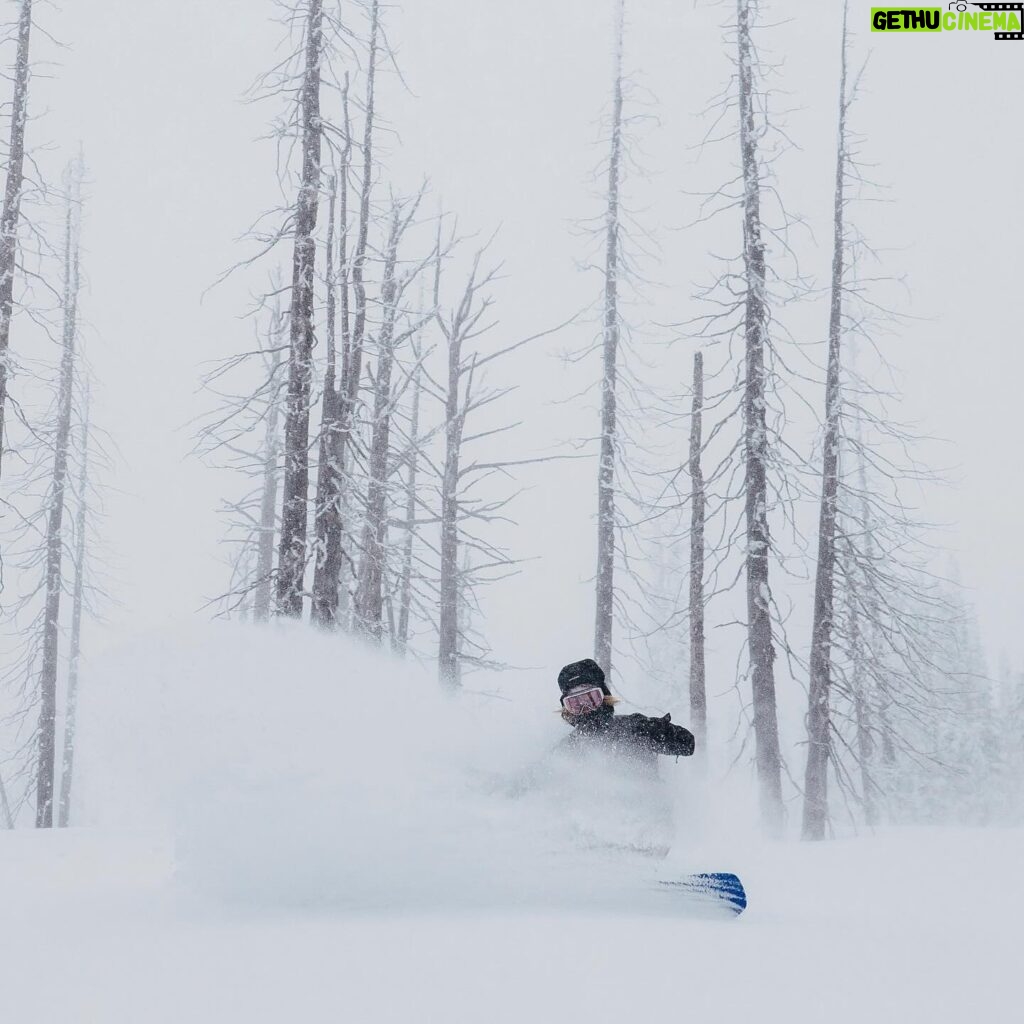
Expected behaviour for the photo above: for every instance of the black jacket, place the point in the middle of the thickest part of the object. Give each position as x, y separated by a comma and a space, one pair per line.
637, 737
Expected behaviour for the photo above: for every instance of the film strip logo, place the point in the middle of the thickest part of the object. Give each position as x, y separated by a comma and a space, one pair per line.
962, 5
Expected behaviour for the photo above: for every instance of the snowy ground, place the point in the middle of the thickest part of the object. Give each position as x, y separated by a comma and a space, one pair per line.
919, 926
275, 827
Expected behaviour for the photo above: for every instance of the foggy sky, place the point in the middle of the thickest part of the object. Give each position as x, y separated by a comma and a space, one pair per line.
501, 112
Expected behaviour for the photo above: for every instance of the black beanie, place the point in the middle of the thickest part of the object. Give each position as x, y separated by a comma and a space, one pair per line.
582, 673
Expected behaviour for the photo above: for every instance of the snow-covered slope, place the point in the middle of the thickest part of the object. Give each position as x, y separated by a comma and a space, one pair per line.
918, 926
276, 827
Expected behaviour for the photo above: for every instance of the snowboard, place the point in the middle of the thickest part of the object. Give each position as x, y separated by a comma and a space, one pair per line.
715, 891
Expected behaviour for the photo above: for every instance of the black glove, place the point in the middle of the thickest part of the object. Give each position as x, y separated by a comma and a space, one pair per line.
671, 739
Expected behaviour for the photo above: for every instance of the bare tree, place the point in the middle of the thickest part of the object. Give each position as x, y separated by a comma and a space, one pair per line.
405, 581
698, 689
77, 608
292, 546
468, 559
9, 218
268, 497
369, 600
818, 725
883, 675
605, 577
340, 405
328, 490
249, 388
458, 328
756, 453
55, 532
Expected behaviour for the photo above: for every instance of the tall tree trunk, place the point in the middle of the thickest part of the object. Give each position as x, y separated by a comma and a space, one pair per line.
370, 593
12, 202
448, 610
881, 709
329, 476
405, 587
268, 498
352, 362
54, 527
759, 620
698, 689
863, 717
330, 602
819, 726
605, 577
292, 552
366, 188
448, 604
75, 650
464, 610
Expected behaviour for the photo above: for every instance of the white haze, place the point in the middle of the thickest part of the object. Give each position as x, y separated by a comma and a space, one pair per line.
286, 767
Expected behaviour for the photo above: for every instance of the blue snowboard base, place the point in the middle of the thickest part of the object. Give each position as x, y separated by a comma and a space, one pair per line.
721, 890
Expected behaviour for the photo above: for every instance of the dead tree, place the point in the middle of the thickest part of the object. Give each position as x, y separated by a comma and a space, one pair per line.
292, 548
395, 329
249, 389
54, 582
302, 131
885, 622
328, 490
77, 608
860, 647
760, 644
467, 558
894, 621
262, 598
815, 812
698, 689
881, 615
605, 576
340, 405
405, 582
870, 681
457, 328
9, 218
369, 599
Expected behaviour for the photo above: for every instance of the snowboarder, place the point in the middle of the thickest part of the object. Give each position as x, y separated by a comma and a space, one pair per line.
589, 707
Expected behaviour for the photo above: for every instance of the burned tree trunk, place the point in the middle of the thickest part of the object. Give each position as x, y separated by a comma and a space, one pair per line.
458, 401
819, 728
448, 607
605, 577
268, 497
292, 550
369, 605
327, 571
340, 405
54, 582
75, 647
871, 688
405, 585
860, 693
698, 690
12, 202
467, 559
756, 448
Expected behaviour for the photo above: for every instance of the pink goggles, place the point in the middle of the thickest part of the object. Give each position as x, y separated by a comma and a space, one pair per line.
583, 700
